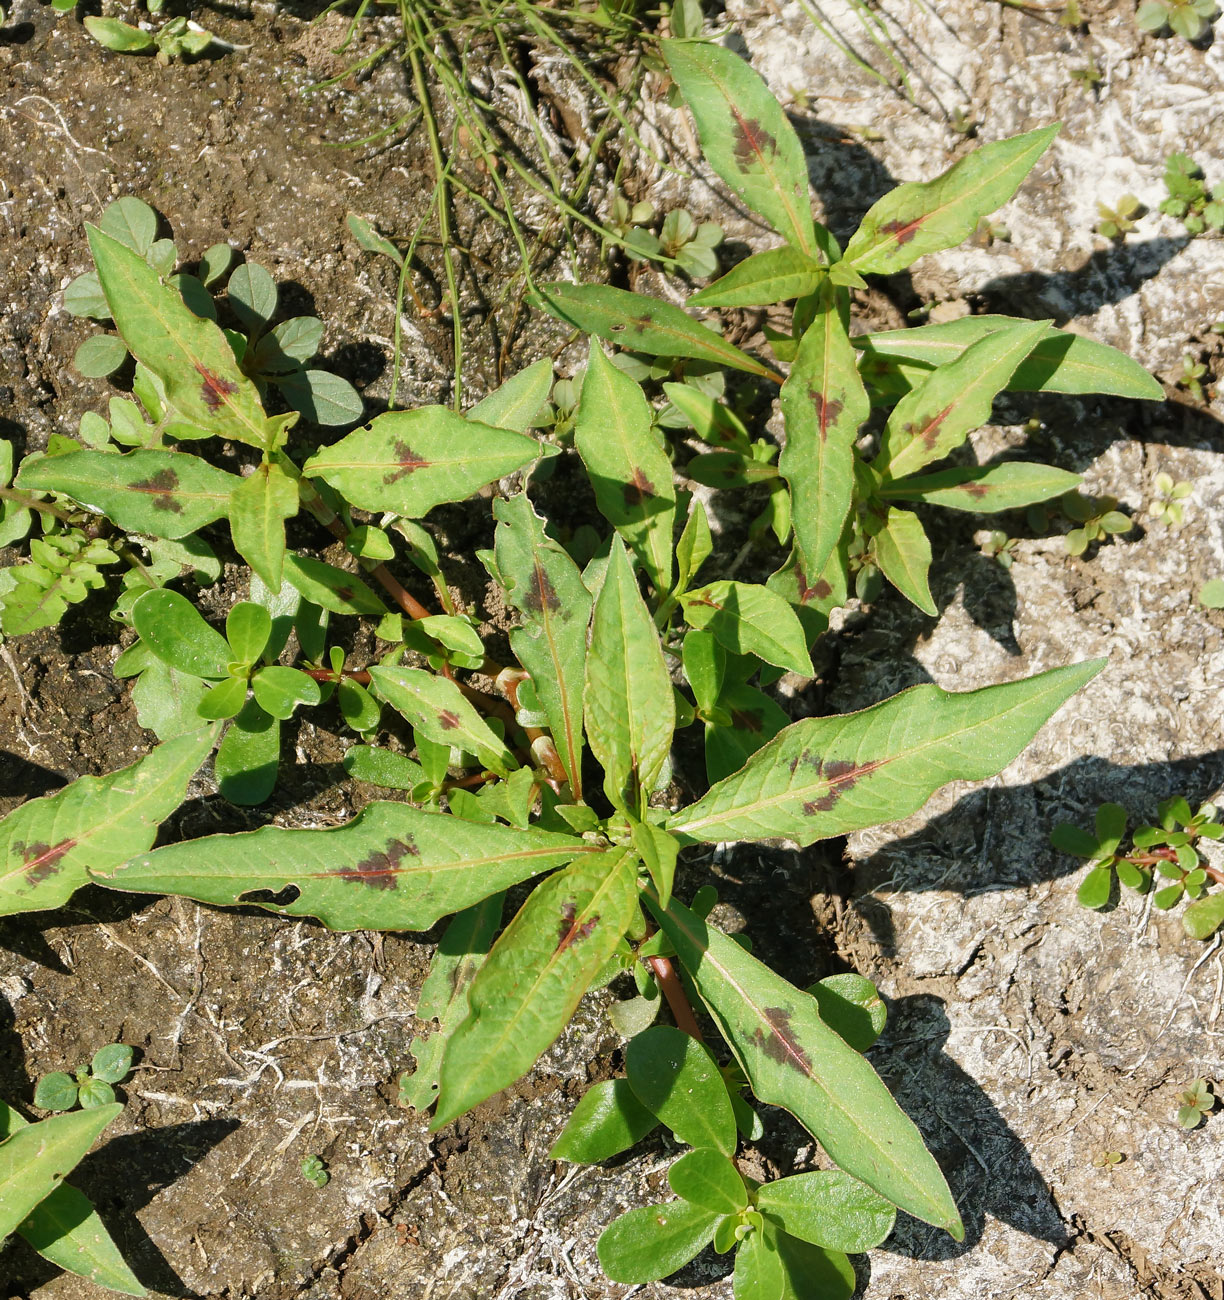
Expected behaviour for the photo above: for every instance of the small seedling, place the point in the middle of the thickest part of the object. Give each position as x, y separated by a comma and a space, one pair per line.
1120, 219
1168, 507
1196, 1103
1107, 1159
1191, 378
1097, 517
92, 1084
314, 1171
1198, 207
1000, 548
1169, 850
1089, 78
180, 38
1187, 18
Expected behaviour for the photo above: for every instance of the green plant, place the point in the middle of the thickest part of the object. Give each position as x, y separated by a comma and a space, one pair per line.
1000, 548
1196, 1103
92, 1084
1107, 1159
842, 505
1097, 519
1167, 506
1198, 207
1187, 18
1170, 849
1191, 378
565, 772
51, 1215
314, 1171
1120, 219
1211, 594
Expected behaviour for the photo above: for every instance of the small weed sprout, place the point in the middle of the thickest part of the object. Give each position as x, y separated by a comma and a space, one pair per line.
1197, 207
1168, 506
1193, 373
314, 1171
92, 1085
1107, 1159
1186, 18
1195, 1104
1001, 548
1097, 518
1211, 594
1119, 220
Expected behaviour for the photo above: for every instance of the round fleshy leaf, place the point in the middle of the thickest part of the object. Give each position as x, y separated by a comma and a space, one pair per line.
281, 690
654, 1241
1095, 887
174, 631
225, 700
56, 1091
94, 1093
709, 1179
112, 1063
851, 1006
247, 628
608, 1120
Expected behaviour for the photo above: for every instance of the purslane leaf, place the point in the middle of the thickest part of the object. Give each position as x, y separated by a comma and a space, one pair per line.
191, 357
176, 633
393, 867
984, 489
163, 493
708, 1178
777, 275
938, 416
534, 977
411, 461
794, 1060
49, 845
829, 1209
772, 1265
904, 556
746, 137
627, 465
824, 404
642, 324
829, 776
895, 361
545, 586
630, 705
924, 217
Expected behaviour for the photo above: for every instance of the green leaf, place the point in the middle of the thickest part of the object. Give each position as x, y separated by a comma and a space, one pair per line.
895, 361
280, 690
132, 222
112, 1063
608, 1120
438, 708
823, 405
1071, 839
630, 708
1211, 594
190, 357
247, 629
65, 1229
94, 1093
658, 851
708, 1178
940, 414
904, 556
411, 461
829, 776
459, 955
118, 36
771, 1265
1095, 887
252, 296
224, 700
330, 588
322, 397
695, 546
291, 344
258, 508
519, 401
763, 279
746, 137
754, 719
984, 489
627, 465
99, 355
1110, 827
545, 586
392, 867
747, 618
829, 1209
793, 1059
851, 1006
920, 218
34, 1160
382, 767
675, 1077
1202, 919
165, 493
654, 1241
642, 324
249, 756
50, 844
527, 989
174, 631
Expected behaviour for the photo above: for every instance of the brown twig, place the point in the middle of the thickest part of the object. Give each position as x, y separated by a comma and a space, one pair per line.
681, 1009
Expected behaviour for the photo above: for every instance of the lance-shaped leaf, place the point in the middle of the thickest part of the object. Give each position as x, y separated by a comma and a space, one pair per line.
34, 1159
746, 137
630, 706
654, 1241
330, 588
527, 989
545, 586
608, 1120
777, 275
629, 469
823, 404
443, 999
920, 218
65, 1229
984, 489
411, 461
642, 324
162, 493
50, 844
895, 361
438, 708
904, 555
189, 355
830, 776
518, 401
259, 506
747, 618
771, 1265
794, 1060
828, 1209
393, 867
938, 416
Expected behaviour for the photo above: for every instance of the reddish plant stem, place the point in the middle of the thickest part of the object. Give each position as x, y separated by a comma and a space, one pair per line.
509, 682
330, 675
665, 973
1168, 855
